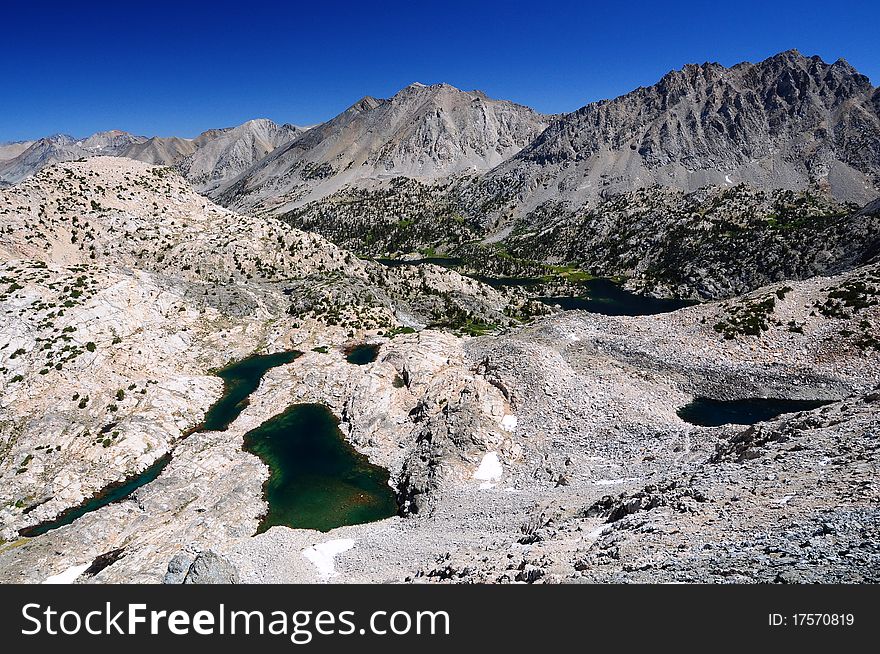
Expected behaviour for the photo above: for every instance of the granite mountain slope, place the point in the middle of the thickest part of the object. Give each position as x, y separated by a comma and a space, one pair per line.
423, 132
221, 155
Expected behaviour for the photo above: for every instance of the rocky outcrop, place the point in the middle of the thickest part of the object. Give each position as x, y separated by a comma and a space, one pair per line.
205, 567
210, 568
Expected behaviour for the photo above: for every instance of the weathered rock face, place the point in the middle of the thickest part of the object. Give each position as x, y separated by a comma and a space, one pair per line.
423, 132
788, 122
221, 155
210, 568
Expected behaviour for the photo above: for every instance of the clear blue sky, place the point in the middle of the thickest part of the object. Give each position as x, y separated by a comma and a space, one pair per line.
178, 68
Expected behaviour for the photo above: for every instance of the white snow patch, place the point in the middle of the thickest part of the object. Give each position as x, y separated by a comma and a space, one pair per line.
509, 422
68, 576
593, 536
490, 469
727, 179
322, 555
613, 482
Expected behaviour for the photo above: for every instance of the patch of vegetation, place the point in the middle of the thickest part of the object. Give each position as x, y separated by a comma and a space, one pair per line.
783, 291
391, 333
747, 318
849, 297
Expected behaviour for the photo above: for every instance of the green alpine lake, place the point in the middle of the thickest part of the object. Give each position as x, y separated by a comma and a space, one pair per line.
317, 479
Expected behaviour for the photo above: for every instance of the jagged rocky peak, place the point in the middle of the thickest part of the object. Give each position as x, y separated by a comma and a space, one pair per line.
789, 121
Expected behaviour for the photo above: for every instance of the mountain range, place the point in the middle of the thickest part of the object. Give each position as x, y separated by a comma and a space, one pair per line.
423, 132
788, 122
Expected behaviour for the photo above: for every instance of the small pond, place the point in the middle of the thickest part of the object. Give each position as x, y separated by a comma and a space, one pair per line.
110, 494
707, 412
240, 379
361, 355
609, 298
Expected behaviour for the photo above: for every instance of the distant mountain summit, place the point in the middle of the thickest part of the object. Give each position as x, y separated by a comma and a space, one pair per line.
62, 147
161, 150
423, 132
221, 155
789, 122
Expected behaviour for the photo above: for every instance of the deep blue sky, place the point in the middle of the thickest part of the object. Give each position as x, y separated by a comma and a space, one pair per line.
182, 67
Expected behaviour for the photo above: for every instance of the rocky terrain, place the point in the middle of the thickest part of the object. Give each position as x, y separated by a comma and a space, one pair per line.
545, 452
96, 278
220, 157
